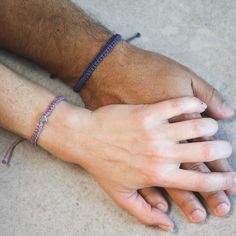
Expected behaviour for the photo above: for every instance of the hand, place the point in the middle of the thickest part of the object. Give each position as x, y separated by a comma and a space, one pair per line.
139, 76
130, 147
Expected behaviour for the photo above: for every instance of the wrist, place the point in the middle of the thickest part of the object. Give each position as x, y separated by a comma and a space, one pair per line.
62, 136
81, 57
107, 76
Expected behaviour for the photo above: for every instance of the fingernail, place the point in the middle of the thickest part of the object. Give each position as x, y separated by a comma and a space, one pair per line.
169, 228
204, 105
226, 109
197, 215
161, 207
224, 150
222, 209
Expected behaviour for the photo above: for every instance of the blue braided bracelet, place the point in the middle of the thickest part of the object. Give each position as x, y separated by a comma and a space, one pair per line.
96, 61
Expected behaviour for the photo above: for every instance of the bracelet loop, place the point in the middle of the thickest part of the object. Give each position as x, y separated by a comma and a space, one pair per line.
44, 118
96, 61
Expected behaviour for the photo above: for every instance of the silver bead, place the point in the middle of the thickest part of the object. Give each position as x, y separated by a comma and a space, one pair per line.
44, 119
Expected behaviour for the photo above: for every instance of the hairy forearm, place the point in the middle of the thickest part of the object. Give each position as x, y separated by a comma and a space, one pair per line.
55, 34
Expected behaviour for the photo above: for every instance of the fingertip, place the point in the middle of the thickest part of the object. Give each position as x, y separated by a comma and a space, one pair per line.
167, 228
162, 207
226, 111
198, 216
222, 209
166, 223
225, 149
135, 204
157, 218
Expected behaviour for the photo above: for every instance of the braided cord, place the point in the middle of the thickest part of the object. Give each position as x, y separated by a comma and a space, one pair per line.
96, 61
44, 118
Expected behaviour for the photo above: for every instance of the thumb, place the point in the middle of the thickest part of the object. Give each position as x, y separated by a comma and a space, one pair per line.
135, 204
217, 107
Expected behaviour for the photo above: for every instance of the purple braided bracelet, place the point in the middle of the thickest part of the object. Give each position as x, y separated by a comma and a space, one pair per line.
44, 118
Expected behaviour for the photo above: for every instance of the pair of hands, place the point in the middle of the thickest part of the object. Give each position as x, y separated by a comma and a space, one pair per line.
128, 148
127, 75
132, 75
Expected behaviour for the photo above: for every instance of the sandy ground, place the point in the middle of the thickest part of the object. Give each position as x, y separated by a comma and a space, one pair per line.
40, 195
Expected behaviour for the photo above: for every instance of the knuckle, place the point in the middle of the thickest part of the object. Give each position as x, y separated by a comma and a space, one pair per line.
176, 103
153, 147
226, 182
182, 104
205, 126
203, 186
213, 195
189, 199
159, 153
213, 93
141, 114
154, 177
198, 126
208, 151
223, 183
213, 183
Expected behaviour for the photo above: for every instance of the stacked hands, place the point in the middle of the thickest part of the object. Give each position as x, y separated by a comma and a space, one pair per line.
133, 149
145, 77
130, 150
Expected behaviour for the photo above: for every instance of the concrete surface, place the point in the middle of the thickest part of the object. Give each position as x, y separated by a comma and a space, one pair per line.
40, 195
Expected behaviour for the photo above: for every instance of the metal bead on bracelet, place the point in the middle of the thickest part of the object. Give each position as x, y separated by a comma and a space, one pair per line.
44, 118
42, 121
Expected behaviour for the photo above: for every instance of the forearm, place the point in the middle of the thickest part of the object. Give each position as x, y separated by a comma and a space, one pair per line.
55, 34
22, 104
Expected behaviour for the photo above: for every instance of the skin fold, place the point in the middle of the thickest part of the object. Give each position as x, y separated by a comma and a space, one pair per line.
63, 39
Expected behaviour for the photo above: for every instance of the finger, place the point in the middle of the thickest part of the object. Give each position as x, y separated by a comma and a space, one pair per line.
218, 202
222, 166
155, 198
175, 107
215, 166
144, 212
201, 151
199, 182
189, 204
192, 129
184, 117
217, 107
